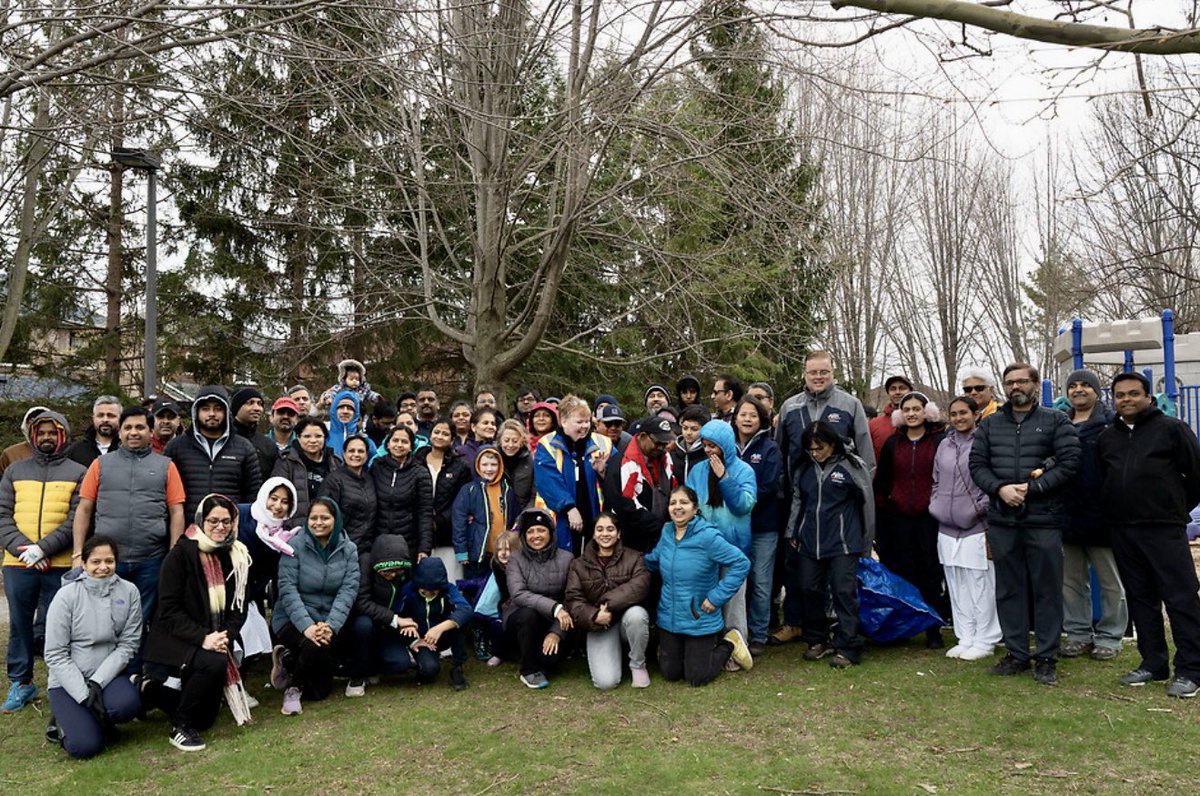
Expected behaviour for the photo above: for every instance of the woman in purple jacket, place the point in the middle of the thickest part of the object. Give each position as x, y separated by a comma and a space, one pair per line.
960, 508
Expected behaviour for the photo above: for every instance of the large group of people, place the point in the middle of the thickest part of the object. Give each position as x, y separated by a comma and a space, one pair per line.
154, 560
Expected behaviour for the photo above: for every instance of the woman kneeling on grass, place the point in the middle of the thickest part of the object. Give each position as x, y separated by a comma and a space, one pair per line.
317, 588
93, 628
201, 607
690, 555
536, 621
605, 587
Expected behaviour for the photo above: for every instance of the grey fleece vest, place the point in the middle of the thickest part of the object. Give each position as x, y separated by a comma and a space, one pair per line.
131, 502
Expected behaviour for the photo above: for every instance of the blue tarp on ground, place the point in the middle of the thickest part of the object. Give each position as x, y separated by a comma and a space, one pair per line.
889, 607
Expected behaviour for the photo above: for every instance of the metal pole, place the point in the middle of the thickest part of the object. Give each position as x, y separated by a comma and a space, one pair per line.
1077, 343
150, 375
1168, 327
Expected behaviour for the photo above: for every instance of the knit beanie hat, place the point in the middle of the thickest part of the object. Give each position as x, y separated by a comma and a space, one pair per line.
1084, 375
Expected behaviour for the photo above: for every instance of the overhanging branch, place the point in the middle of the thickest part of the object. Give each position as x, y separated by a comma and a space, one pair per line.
1146, 41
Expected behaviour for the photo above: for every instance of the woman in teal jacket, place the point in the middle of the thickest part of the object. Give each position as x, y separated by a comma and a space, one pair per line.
727, 491
700, 573
317, 587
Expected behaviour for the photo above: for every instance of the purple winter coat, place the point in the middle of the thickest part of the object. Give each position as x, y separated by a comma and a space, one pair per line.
959, 506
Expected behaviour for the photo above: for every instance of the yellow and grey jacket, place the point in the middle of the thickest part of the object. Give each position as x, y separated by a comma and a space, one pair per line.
38, 497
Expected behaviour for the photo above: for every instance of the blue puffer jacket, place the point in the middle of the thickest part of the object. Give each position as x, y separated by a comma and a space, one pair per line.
317, 584
739, 489
471, 519
690, 571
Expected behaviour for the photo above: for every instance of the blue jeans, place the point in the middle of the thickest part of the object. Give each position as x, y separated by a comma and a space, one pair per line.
377, 650
144, 575
81, 732
762, 568
25, 590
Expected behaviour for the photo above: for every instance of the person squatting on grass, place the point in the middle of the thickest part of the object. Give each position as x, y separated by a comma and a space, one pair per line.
537, 624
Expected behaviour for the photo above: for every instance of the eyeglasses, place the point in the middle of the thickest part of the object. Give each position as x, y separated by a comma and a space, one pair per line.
818, 373
218, 523
1017, 382
975, 387
718, 392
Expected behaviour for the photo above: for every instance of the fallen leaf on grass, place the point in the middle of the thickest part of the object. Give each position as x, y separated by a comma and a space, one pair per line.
927, 787
1159, 710
1022, 766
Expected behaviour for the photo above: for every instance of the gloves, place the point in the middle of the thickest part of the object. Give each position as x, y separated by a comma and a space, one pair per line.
31, 554
95, 702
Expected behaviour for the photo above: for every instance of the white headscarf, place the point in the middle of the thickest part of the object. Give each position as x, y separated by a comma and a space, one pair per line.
273, 532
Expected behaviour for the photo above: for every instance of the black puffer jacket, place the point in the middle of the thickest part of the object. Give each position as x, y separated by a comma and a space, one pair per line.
404, 501
1007, 450
1084, 520
454, 475
233, 471
518, 471
1151, 472
378, 597
355, 496
267, 451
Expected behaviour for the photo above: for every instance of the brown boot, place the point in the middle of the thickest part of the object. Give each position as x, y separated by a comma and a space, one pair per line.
784, 635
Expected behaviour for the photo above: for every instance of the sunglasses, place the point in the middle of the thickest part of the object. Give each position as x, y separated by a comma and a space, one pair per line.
975, 388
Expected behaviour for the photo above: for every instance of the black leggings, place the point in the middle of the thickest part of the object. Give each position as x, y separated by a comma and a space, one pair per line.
312, 666
525, 630
196, 704
698, 659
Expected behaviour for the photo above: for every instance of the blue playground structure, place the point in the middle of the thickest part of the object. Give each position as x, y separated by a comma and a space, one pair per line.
1148, 343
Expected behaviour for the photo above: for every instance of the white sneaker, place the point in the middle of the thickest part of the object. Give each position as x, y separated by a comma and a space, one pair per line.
356, 688
956, 651
977, 653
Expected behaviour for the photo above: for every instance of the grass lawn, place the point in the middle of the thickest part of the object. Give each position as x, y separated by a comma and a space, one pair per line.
906, 721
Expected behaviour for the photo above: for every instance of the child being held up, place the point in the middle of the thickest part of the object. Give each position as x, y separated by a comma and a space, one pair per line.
352, 376
440, 612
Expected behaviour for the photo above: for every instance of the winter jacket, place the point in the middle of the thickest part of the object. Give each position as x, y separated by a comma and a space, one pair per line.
293, 465
956, 501
640, 517
904, 475
471, 517
620, 581
739, 490
1008, 448
355, 496
448, 603
404, 501
833, 507
38, 497
518, 471
540, 585
762, 454
131, 501
227, 466
84, 450
339, 431
379, 598
554, 474
881, 428
455, 474
1151, 472
833, 405
1084, 519
181, 615
266, 449
686, 381
691, 573
362, 392
315, 587
93, 629
683, 459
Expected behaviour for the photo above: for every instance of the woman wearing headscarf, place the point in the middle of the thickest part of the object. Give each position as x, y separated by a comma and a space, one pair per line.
202, 591
317, 589
265, 528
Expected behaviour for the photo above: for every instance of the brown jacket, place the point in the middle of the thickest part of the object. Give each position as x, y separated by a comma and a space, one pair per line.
622, 584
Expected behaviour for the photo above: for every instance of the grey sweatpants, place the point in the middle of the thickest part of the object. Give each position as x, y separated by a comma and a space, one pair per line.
604, 647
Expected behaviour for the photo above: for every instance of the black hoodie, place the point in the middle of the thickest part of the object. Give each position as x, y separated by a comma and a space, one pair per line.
227, 466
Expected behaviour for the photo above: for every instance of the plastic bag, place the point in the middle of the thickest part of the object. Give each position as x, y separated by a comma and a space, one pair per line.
889, 607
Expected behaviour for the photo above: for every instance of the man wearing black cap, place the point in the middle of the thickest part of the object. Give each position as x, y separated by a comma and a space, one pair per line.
1023, 457
246, 403
1087, 539
168, 423
637, 482
611, 423
881, 426
1150, 464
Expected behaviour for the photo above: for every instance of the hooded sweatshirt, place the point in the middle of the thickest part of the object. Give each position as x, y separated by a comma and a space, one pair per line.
482, 511
446, 603
533, 435
737, 491
378, 597
38, 497
227, 465
686, 381
339, 431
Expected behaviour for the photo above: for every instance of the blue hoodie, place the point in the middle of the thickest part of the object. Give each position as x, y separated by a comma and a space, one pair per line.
739, 489
339, 431
448, 603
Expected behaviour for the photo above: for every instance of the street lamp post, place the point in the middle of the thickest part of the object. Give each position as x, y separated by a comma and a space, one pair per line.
142, 160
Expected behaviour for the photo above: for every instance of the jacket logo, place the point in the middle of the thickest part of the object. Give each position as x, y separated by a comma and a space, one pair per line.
833, 417
837, 477
755, 458
118, 601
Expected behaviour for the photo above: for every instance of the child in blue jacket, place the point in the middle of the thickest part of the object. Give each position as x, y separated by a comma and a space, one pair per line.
440, 612
482, 511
